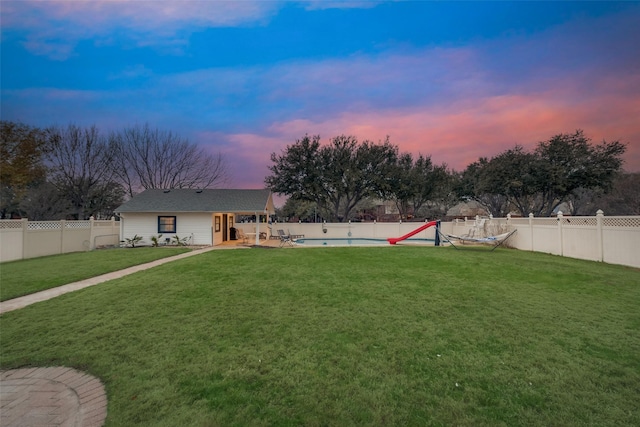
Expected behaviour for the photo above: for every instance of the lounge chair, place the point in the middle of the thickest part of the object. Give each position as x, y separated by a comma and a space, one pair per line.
285, 239
295, 236
241, 236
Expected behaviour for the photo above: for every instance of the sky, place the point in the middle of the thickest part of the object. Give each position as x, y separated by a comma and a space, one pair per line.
452, 80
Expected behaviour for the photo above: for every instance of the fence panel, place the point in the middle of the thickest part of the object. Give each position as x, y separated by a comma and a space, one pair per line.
580, 238
42, 242
345, 230
545, 238
621, 240
22, 239
11, 240
614, 240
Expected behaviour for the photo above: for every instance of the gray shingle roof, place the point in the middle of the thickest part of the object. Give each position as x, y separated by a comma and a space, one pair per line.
192, 200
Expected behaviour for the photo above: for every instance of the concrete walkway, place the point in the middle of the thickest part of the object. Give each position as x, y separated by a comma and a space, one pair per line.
16, 303
61, 396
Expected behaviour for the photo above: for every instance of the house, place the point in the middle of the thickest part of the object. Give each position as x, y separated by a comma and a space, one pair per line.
204, 217
467, 209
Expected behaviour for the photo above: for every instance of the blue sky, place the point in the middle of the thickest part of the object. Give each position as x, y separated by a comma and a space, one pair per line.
454, 80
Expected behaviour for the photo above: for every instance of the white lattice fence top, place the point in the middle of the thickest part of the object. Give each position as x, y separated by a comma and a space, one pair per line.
626, 221
77, 224
588, 221
44, 225
568, 221
10, 224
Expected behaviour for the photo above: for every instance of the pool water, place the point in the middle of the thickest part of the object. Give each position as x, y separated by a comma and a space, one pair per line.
355, 242
341, 242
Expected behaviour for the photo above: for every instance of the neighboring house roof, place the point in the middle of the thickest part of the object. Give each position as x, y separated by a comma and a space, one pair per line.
470, 208
193, 200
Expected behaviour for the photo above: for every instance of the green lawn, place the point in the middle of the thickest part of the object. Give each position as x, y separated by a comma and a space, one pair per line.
396, 336
27, 276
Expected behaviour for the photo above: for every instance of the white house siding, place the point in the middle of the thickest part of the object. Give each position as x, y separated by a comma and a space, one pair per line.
197, 225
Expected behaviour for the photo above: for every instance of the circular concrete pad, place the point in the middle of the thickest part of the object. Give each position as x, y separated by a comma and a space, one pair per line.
51, 396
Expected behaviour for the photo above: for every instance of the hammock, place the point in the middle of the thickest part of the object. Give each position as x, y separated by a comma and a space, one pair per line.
493, 240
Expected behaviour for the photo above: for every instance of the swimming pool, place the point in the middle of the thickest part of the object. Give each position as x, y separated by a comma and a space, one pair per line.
357, 242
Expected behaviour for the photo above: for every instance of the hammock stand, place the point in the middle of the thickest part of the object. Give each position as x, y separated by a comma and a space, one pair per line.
496, 241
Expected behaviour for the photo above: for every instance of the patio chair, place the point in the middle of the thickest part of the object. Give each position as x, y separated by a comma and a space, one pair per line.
285, 239
295, 236
241, 236
478, 230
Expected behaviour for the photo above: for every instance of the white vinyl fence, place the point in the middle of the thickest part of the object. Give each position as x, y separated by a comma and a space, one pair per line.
611, 239
345, 230
22, 239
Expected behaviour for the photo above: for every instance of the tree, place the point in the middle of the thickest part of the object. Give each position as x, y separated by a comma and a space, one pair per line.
489, 181
470, 187
414, 185
400, 186
105, 198
298, 170
433, 185
623, 198
45, 202
22, 166
302, 210
82, 169
568, 162
582, 201
149, 158
353, 172
336, 176
514, 174
538, 182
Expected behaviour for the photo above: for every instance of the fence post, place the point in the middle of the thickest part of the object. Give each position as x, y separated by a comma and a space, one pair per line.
91, 231
113, 226
531, 230
25, 228
599, 217
62, 227
560, 233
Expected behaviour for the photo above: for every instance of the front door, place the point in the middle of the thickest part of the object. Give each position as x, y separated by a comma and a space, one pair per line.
225, 227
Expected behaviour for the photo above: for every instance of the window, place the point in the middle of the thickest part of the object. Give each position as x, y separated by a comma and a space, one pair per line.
166, 224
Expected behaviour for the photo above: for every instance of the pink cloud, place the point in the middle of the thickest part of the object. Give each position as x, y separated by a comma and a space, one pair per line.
53, 97
94, 15
459, 133
462, 133
148, 22
339, 4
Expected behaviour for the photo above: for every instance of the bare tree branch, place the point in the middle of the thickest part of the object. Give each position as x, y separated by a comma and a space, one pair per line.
150, 158
81, 168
